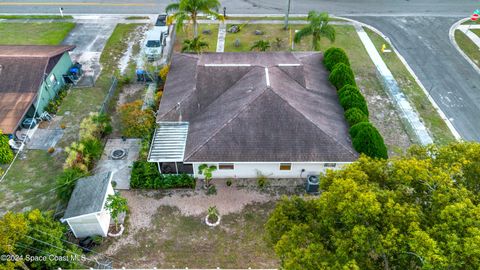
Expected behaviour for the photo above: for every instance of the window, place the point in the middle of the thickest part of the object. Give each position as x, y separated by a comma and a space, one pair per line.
53, 79
330, 165
285, 166
226, 166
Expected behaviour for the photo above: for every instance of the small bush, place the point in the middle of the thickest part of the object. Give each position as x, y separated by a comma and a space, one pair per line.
342, 75
262, 181
146, 175
6, 153
164, 72
367, 140
229, 182
348, 87
212, 190
66, 183
352, 99
93, 148
333, 56
135, 122
51, 150
355, 116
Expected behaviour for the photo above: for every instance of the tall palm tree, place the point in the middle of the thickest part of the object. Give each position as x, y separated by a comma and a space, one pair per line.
189, 10
317, 28
261, 45
196, 45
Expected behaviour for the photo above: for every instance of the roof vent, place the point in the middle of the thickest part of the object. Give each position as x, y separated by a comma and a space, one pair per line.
1, 68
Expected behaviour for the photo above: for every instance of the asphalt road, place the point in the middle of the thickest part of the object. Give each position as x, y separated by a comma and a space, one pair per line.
453, 83
337, 7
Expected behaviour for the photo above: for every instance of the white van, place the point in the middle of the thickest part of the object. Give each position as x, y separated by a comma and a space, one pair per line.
154, 44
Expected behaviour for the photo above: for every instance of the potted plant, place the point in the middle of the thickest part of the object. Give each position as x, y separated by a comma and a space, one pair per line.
213, 217
206, 171
116, 205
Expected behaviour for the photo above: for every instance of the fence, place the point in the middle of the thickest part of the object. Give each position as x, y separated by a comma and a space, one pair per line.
109, 96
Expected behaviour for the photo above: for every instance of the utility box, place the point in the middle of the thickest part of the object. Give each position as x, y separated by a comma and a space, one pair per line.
312, 185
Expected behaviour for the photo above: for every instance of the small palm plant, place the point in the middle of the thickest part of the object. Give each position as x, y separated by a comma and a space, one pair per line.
207, 171
116, 205
213, 214
318, 27
261, 45
195, 45
188, 10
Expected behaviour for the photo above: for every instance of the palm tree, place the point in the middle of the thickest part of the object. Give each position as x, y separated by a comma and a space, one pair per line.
261, 45
189, 10
317, 28
196, 45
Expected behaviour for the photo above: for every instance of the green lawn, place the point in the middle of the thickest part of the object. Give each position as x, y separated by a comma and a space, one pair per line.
435, 124
51, 33
467, 45
36, 173
35, 17
187, 33
137, 18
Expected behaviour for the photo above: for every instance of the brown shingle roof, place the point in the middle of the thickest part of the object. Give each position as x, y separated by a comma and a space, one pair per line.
235, 115
22, 70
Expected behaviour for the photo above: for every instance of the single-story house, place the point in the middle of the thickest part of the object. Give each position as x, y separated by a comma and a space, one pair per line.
86, 214
29, 75
250, 114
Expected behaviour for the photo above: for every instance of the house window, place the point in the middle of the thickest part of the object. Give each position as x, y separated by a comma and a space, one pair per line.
330, 165
52, 79
226, 166
285, 166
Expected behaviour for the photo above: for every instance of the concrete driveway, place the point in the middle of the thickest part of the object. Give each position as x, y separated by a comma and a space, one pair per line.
453, 83
90, 39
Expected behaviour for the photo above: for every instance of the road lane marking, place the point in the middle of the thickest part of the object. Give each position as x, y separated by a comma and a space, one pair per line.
73, 4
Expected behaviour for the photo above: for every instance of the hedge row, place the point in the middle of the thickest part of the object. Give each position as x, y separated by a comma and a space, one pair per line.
365, 137
146, 175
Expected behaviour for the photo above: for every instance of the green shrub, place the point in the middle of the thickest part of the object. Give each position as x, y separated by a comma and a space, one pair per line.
6, 153
66, 183
352, 99
342, 75
93, 148
348, 87
146, 175
367, 140
333, 56
355, 116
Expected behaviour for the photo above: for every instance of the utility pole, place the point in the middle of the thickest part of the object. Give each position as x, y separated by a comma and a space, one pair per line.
287, 14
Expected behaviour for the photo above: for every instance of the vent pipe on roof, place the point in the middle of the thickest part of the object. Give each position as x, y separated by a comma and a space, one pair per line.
1, 68
180, 114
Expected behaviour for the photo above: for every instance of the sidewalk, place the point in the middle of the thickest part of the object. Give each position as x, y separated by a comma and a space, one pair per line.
471, 35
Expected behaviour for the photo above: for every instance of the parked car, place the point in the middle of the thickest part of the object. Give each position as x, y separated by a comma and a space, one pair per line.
161, 23
154, 44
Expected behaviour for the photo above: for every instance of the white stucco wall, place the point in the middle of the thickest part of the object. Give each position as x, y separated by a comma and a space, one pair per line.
94, 223
269, 169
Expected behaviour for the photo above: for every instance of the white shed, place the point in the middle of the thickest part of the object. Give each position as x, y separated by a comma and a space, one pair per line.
86, 214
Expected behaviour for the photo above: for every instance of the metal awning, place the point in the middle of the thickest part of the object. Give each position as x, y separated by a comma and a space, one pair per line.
169, 140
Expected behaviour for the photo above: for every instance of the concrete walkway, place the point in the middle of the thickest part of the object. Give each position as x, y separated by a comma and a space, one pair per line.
402, 103
471, 35
222, 32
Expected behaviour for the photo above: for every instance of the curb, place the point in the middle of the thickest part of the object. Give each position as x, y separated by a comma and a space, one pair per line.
410, 70
451, 35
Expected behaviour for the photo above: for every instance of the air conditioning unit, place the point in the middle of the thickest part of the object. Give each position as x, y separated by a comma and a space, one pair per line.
313, 182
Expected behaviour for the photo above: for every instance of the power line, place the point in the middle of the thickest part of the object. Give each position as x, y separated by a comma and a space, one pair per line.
90, 250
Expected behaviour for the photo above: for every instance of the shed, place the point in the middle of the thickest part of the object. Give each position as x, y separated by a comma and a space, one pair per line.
86, 214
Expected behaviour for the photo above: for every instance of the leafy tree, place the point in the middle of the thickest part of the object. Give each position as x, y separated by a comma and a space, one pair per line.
342, 75
404, 213
36, 234
318, 28
188, 10
116, 204
261, 45
135, 122
355, 116
207, 171
367, 140
66, 183
333, 56
77, 158
195, 45
94, 126
6, 154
